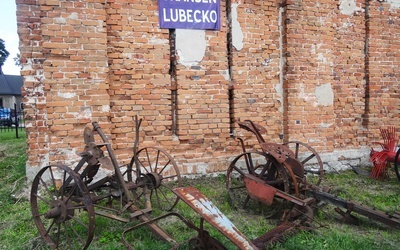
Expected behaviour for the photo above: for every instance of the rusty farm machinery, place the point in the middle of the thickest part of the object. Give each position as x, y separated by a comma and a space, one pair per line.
65, 201
289, 174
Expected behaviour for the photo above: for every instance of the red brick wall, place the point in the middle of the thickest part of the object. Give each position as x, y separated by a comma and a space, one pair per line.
322, 72
310, 59
30, 33
384, 43
138, 57
349, 78
256, 67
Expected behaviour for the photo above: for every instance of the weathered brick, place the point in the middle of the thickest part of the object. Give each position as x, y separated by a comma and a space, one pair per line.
116, 60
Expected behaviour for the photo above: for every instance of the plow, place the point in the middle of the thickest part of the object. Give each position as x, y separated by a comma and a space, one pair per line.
65, 201
290, 176
284, 177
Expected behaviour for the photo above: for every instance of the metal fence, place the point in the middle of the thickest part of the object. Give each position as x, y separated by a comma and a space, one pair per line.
12, 120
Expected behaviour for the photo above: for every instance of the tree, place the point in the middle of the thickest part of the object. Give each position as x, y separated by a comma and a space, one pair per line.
3, 54
17, 61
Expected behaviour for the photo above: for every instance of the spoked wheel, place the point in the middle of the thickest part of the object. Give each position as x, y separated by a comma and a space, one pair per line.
62, 209
157, 173
310, 160
397, 163
259, 164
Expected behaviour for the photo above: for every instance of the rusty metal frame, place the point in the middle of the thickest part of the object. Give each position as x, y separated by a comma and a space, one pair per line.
78, 187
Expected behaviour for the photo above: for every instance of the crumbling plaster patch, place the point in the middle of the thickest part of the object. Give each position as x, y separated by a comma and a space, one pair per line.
156, 40
279, 91
61, 20
105, 108
394, 4
225, 74
73, 16
307, 97
349, 7
324, 94
66, 95
84, 113
190, 46
237, 34
282, 61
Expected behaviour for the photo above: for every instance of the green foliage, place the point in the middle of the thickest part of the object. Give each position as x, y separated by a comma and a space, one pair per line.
337, 237
12, 165
3, 52
15, 223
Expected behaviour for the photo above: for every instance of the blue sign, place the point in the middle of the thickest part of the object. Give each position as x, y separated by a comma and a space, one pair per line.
189, 14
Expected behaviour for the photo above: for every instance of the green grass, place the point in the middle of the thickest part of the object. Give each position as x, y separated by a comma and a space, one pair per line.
18, 231
15, 227
12, 164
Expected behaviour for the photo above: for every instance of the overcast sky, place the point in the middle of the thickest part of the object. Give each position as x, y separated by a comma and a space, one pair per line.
8, 32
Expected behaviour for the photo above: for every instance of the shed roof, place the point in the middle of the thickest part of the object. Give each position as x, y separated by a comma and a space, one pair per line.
10, 84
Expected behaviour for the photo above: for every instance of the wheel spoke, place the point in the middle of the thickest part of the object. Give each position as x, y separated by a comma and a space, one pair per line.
139, 196
42, 199
50, 227
249, 164
296, 154
164, 196
79, 236
52, 179
63, 185
45, 186
69, 195
165, 166
157, 197
58, 234
307, 159
148, 160
169, 177
124, 173
67, 239
143, 166
156, 161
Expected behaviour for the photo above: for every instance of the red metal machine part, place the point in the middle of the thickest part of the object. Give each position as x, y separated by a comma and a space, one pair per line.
382, 159
282, 166
278, 173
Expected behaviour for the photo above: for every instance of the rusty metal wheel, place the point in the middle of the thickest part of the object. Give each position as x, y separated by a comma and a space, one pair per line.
310, 160
61, 208
159, 174
259, 164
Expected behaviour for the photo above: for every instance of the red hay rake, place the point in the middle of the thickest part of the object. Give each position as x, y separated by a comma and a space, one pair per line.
382, 160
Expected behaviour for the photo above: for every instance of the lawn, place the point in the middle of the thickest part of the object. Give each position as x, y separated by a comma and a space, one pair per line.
18, 231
